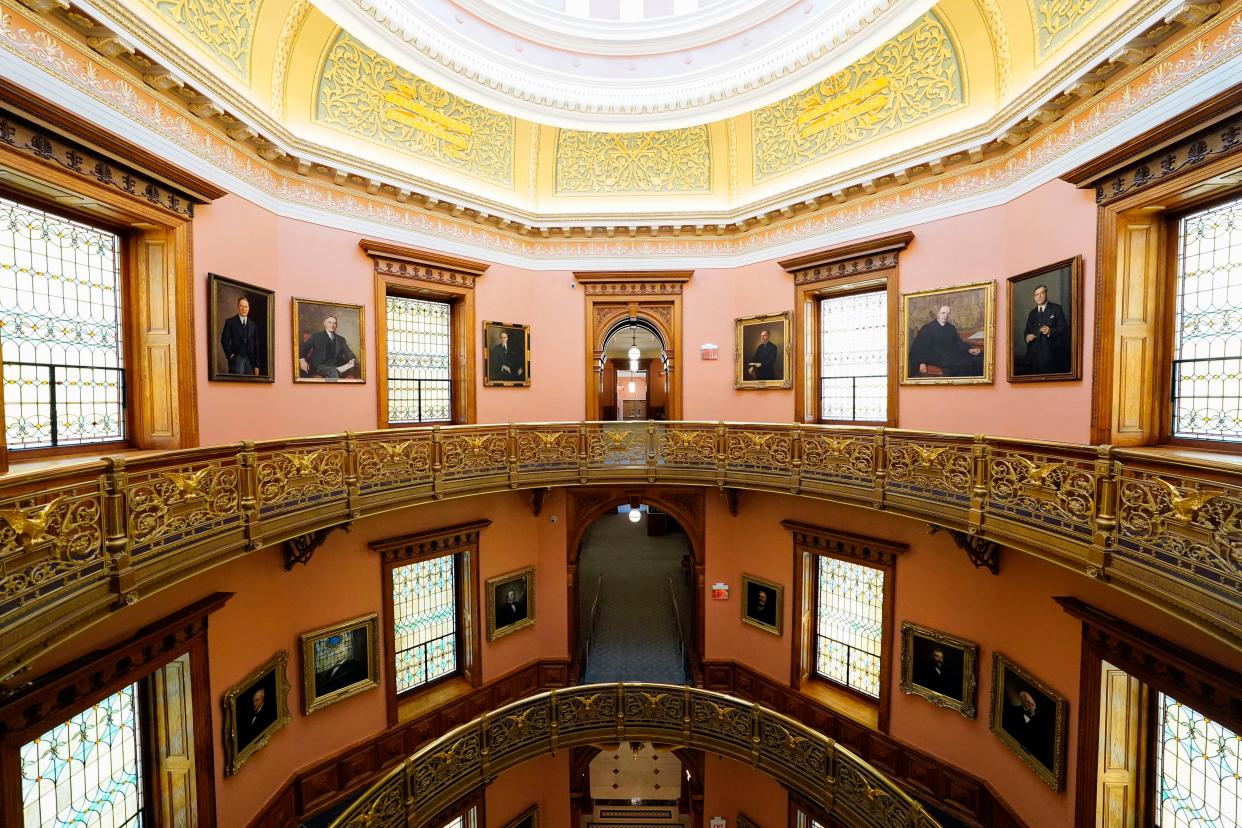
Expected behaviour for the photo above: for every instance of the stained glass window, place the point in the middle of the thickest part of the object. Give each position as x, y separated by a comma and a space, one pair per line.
424, 603
853, 361
1207, 338
1199, 765
87, 771
60, 325
420, 354
849, 624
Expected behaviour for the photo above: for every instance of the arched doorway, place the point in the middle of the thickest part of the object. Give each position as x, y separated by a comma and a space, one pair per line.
633, 372
649, 610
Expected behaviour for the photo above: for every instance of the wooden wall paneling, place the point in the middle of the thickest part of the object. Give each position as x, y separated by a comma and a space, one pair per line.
1123, 741
170, 701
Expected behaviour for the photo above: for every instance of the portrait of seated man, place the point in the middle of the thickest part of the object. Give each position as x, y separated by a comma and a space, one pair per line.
326, 354
340, 661
939, 350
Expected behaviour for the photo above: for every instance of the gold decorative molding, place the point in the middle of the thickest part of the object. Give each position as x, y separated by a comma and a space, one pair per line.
423, 265
855, 259
1056, 21
670, 161
432, 542
224, 29
658, 283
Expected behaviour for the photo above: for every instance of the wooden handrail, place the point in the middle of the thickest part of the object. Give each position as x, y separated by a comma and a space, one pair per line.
76, 543
476, 752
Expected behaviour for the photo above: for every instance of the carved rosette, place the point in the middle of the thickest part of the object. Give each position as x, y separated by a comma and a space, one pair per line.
1055, 491
464, 455
387, 463
180, 502
759, 450
47, 541
287, 477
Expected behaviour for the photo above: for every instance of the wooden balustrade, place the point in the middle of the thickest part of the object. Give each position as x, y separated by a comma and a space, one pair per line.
78, 542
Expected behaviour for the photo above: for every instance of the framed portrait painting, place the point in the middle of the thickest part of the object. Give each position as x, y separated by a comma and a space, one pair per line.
329, 342
506, 353
527, 819
948, 335
1045, 323
240, 321
510, 602
1029, 718
762, 603
254, 710
762, 352
339, 661
939, 667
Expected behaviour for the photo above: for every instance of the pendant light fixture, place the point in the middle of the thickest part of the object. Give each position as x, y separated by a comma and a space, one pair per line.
634, 353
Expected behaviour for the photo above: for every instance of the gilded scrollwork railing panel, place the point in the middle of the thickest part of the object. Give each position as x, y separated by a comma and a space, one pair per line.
687, 446
51, 540
616, 444
834, 457
863, 793
448, 761
792, 747
663, 708
722, 719
586, 709
170, 505
382, 807
1057, 491
542, 449
293, 478
758, 449
513, 728
1187, 527
929, 469
474, 452
399, 460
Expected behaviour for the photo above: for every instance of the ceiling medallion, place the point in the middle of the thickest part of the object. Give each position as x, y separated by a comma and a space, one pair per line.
561, 65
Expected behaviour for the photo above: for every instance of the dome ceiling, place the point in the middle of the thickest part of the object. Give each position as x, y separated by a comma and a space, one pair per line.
597, 64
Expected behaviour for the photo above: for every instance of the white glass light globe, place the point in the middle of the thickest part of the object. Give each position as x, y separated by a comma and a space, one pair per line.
633, 353
635, 515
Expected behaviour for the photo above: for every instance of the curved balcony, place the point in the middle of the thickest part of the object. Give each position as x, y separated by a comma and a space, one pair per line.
474, 753
77, 542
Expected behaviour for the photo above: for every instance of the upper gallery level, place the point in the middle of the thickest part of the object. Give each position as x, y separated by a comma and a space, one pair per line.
542, 135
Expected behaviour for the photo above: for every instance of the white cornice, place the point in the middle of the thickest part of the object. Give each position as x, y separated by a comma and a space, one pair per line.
607, 98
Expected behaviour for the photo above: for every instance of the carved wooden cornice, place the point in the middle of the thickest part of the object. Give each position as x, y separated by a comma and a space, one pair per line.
641, 283
422, 265
427, 544
845, 544
1210, 688
853, 259
48, 147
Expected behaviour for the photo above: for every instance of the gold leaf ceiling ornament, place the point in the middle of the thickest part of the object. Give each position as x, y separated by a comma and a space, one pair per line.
223, 28
368, 96
910, 78
1057, 20
668, 161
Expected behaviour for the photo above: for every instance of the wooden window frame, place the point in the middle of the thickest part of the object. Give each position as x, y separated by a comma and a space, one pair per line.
66, 691
1164, 667
462, 541
809, 544
860, 267
422, 274
1142, 188
47, 166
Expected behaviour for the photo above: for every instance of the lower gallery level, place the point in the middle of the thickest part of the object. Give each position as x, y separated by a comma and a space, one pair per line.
385, 446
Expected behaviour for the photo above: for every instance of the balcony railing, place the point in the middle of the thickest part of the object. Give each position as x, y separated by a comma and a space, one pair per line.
474, 753
78, 542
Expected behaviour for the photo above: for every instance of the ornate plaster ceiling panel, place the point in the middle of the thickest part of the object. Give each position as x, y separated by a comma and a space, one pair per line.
366, 95
225, 28
727, 58
911, 78
670, 161
1056, 21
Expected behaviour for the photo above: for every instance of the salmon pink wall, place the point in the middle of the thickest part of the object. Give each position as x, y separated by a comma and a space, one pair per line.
730, 788
543, 781
237, 239
936, 586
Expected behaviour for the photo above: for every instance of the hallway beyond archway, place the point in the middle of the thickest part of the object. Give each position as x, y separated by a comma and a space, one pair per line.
636, 636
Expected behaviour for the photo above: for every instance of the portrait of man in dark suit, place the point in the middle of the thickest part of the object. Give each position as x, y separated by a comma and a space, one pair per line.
243, 342
341, 660
326, 354
256, 710
510, 602
938, 668
761, 351
762, 606
765, 363
328, 342
507, 354
1030, 718
1047, 334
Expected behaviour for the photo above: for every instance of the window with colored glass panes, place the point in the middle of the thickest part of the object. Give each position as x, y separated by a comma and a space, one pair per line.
849, 624
425, 621
1198, 766
420, 353
853, 357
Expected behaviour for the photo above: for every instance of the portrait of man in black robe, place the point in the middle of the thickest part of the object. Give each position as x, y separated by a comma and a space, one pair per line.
939, 350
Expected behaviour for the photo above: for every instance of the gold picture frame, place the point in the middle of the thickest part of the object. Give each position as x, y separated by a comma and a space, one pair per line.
952, 680
224, 296
527, 819
1061, 354
1037, 739
506, 345
339, 661
348, 343
760, 363
509, 613
757, 609
248, 731
924, 343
